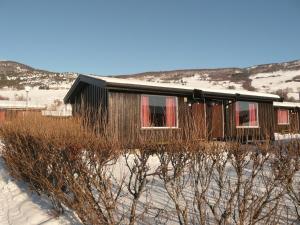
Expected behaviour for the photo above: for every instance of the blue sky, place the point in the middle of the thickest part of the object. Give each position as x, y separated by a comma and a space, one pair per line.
129, 36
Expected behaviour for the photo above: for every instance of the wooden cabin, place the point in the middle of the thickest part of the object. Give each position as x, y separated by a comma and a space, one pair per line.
287, 117
13, 109
135, 108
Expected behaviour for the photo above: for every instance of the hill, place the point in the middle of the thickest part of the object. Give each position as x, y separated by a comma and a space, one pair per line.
17, 75
280, 78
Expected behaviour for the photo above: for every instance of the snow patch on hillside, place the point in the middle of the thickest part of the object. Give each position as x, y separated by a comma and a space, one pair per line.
206, 82
271, 82
199, 81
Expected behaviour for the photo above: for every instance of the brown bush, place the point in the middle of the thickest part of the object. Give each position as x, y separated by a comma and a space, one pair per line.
204, 182
231, 183
66, 161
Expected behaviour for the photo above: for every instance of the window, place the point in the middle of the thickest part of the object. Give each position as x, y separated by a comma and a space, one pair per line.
246, 114
283, 116
159, 111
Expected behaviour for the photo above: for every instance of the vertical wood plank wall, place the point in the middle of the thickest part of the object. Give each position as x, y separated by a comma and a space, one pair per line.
199, 120
91, 102
265, 119
124, 113
2, 116
294, 124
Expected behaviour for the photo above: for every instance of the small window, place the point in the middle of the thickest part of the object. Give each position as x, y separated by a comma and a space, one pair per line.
246, 114
159, 111
283, 116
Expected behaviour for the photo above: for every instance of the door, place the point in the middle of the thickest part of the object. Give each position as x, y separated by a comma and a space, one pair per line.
199, 123
2, 116
215, 119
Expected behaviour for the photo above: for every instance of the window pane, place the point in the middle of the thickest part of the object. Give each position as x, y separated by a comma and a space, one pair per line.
158, 111
246, 114
283, 116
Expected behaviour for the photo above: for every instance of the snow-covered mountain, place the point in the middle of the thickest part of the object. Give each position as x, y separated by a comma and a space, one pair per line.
49, 88
17, 75
46, 88
280, 78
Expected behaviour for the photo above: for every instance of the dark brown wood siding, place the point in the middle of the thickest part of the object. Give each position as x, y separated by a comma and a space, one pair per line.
298, 111
124, 113
199, 122
2, 116
293, 125
214, 119
265, 120
91, 102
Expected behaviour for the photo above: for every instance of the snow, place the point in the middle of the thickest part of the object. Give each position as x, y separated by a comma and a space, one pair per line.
113, 80
7, 104
286, 104
271, 82
20, 206
295, 95
35, 96
64, 111
206, 82
289, 136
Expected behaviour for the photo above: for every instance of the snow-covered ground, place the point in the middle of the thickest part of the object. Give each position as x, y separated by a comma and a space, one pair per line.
19, 206
35, 96
290, 136
51, 100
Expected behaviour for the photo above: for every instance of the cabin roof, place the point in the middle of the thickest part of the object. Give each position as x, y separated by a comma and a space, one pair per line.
8, 104
286, 104
122, 84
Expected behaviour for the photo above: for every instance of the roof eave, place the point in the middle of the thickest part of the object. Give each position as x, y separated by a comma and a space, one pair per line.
148, 89
82, 79
236, 96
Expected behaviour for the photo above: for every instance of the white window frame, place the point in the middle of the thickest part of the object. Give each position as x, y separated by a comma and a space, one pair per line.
288, 123
243, 126
160, 128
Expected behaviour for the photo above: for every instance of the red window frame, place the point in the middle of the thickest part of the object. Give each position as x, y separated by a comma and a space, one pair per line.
252, 114
170, 112
283, 117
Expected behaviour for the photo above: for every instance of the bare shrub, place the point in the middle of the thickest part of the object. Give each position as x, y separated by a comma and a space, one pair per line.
74, 162
230, 183
140, 175
175, 180
292, 163
67, 162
